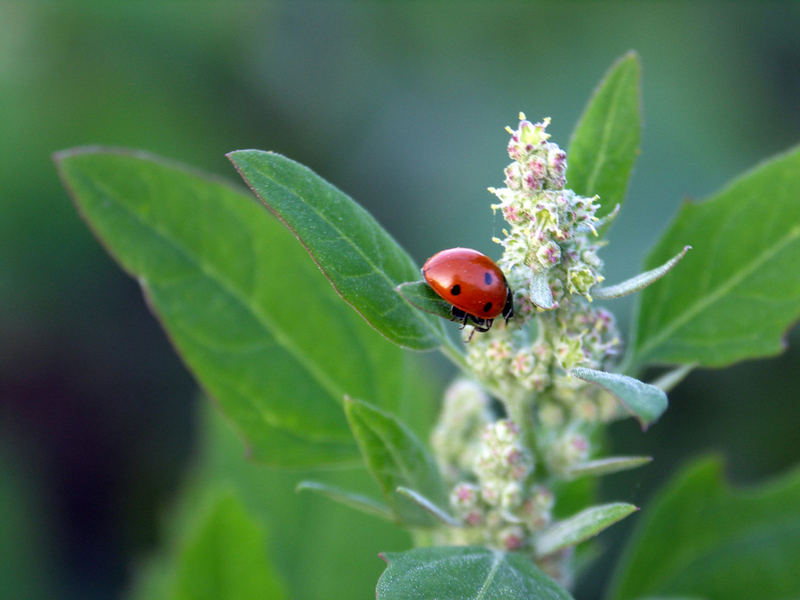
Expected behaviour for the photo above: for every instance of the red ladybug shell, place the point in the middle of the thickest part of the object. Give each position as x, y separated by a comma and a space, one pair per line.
469, 280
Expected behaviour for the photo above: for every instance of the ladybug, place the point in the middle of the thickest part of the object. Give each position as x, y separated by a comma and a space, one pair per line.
472, 283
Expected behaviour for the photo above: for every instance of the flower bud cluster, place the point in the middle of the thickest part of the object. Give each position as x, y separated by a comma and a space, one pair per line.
552, 235
456, 438
548, 224
501, 508
577, 334
499, 493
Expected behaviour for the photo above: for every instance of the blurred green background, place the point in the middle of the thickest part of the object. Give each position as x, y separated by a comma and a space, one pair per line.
402, 105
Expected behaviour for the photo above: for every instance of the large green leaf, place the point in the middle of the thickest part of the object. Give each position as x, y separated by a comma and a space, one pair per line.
215, 549
738, 291
605, 142
396, 458
249, 313
224, 556
362, 261
464, 573
701, 538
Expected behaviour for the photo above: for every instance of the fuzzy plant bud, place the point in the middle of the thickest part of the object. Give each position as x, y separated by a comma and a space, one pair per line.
465, 500
536, 510
511, 495
569, 449
511, 538
548, 223
455, 439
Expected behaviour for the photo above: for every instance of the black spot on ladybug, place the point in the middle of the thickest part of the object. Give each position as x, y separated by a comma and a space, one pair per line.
487, 277
487, 307
455, 290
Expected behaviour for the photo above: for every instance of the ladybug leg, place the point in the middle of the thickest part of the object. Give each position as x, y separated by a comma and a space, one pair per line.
508, 309
459, 315
482, 325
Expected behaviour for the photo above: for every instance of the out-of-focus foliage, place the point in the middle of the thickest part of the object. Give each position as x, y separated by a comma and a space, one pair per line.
701, 538
737, 294
250, 314
220, 554
402, 106
26, 570
305, 531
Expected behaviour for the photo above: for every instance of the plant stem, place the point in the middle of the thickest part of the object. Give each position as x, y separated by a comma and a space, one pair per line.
519, 407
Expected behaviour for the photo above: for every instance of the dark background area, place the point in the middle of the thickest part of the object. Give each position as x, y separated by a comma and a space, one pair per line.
402, 105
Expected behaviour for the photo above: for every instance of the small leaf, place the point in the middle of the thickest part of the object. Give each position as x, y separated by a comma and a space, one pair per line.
436, 511
605, 143
250, 315
362, 261
540, 293
606, 466
640, 281
421, 295
740, 292
673, 377
644, 401
464, 573
351, 499
396, 458
224, 556
701, 538
580, 527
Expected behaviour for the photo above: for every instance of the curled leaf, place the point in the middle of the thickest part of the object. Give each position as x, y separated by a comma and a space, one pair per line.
644, 401
540, 293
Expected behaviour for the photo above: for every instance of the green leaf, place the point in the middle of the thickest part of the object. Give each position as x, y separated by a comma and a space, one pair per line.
464, 573
606, 466
433, 509
702, 538
638, 282
605, 142
580, 527
251, 316
362, 261
224, 556
396, 458
738, 292
421, 295
351, 499
644, 401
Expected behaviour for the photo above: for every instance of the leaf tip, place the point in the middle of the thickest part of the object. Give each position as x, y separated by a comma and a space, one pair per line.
631, 55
